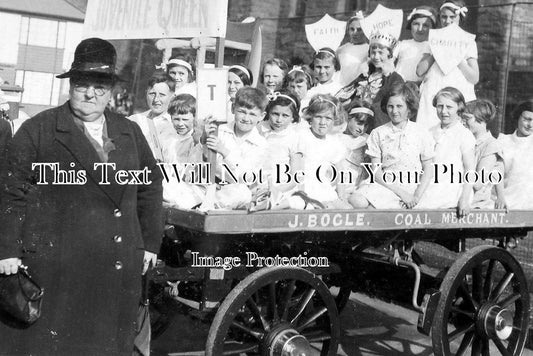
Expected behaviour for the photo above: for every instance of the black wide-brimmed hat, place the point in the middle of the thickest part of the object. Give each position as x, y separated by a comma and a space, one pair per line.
94, 57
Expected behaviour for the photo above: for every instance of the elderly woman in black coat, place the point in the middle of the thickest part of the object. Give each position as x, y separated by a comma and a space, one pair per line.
85, 232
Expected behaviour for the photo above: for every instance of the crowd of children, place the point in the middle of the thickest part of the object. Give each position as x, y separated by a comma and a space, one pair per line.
375, 124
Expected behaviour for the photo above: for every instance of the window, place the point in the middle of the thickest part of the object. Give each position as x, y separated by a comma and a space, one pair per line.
42, 32
9, 37
37, 87
72, 38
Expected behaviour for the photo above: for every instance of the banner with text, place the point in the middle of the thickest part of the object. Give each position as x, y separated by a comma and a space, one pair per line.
327, 32
449, 46
383, 20
127, 19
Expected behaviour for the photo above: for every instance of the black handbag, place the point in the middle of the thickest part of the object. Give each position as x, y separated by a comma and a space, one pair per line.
20, 296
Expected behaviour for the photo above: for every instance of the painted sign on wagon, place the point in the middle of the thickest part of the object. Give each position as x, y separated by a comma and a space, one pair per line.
127, 19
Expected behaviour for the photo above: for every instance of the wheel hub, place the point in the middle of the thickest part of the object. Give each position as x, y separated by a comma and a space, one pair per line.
285, 341
497, 322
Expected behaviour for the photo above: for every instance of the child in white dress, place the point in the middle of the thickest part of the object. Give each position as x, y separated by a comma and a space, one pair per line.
400, 151
325, 65
516, 190
184, 153
280, 131
410, 52
480, 119
360, 116
454, 156
463, 77
319, 153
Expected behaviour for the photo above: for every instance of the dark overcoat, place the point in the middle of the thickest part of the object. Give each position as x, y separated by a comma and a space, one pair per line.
84, 243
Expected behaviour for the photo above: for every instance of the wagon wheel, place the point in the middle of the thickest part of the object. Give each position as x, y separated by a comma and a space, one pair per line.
273, 311
484, 306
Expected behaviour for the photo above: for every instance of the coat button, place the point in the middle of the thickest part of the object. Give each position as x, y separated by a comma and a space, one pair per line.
117, 238
117, 213
118, 265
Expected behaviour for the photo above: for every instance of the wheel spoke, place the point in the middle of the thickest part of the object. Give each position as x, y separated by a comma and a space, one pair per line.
465, 343
303, 304
487, 287
237, 349
286, 299
485, 350
476, 347
317, 336
477, 284
501, 286
465, 293
311, 318
250, 303
256, 334
501, 347
469, 314
458, 332
509, 300
273, 312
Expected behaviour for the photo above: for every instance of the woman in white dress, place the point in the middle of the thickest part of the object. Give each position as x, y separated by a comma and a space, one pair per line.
463, 77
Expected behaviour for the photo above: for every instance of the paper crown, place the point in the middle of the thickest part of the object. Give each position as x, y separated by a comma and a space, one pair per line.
383, 39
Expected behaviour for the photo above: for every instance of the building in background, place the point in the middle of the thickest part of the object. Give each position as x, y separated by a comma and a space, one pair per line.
37, 42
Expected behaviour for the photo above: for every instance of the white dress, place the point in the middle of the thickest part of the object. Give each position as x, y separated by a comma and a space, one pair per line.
445, 190
320, 154
353, 60
436, 80
518, 179
410, 53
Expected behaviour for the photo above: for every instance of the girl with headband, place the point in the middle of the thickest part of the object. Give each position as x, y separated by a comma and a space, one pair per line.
319, 152
299, 80
462, 77
182, 70
360, 118
238, 76
400, 148
410, 52
325, 65
279, 129
353, 54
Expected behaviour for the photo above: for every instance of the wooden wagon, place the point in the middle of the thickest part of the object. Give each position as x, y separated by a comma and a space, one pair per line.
262, 280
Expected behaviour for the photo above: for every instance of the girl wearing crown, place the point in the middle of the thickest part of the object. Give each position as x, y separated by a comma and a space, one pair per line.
462, 77
381, 76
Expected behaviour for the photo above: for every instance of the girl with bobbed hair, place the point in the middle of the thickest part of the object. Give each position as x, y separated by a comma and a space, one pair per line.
273, 74
454, 154
479, 117
516, 190
381, 76
397, 147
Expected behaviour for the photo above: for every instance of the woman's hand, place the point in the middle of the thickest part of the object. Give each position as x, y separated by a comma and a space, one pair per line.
149, 257
10, 265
